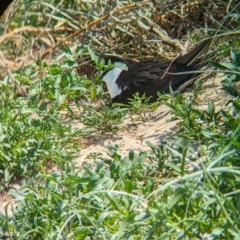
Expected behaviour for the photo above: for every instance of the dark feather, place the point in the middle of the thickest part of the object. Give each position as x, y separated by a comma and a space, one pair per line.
149, 77
4, 5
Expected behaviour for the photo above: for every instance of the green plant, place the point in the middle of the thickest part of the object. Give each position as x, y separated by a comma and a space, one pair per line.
140, 106
103, 120
31, 140
193, 121
186, 187
123, 196
232, 72
52, 86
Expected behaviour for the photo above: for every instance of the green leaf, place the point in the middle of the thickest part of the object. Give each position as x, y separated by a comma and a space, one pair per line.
94, 57
131, 154
235, 56
211, 108
93, 92
128, 186
43, 106
60, 99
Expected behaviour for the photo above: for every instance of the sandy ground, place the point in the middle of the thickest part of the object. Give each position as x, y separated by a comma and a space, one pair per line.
134, 136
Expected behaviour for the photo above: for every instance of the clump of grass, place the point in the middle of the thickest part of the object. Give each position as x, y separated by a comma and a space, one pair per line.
193, 120
139, 106
125, 196
102, 120
32, 139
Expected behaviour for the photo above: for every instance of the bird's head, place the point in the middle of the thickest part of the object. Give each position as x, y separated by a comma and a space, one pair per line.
110, 76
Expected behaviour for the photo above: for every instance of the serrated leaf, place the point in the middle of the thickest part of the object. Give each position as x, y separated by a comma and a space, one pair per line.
94, 57
121, 65
66, 50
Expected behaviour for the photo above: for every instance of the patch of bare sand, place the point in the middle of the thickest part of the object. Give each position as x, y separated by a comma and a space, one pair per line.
7, 203
131, 135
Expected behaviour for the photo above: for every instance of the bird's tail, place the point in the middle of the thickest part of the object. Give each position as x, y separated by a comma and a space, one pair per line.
192, 58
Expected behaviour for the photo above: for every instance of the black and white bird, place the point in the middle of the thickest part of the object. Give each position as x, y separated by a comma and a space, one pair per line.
150, 77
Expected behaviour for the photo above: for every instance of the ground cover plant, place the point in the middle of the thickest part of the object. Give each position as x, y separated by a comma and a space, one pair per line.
184, 188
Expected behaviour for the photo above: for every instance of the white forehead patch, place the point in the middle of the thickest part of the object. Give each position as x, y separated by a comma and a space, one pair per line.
110, 79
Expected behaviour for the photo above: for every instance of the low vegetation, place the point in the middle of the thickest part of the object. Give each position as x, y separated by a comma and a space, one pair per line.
186, 188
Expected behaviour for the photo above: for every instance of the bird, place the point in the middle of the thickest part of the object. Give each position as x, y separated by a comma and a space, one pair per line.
153, 76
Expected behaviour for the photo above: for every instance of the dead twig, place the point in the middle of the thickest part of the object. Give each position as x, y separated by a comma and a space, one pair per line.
85, 28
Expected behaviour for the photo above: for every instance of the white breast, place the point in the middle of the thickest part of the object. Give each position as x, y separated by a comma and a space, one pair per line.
110, 79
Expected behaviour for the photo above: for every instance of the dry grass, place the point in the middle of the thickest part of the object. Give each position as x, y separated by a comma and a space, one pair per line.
143, 29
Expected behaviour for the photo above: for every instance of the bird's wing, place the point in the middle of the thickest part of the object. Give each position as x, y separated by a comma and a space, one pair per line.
158, 73
161, 73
